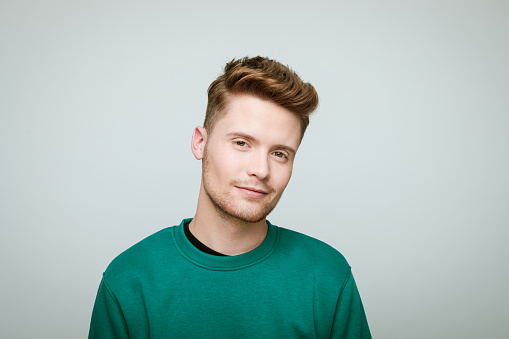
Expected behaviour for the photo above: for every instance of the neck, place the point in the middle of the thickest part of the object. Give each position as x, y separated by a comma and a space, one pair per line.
224, 233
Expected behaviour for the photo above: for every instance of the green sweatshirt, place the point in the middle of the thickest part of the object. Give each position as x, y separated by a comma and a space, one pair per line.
291, 286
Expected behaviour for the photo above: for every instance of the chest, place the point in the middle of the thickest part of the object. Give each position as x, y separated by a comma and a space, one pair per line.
229, 304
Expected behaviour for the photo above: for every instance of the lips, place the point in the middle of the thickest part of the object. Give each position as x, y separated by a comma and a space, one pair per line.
252, 192
259, 190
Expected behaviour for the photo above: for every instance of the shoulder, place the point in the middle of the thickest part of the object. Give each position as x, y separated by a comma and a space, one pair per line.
295, 241
140, 258
311, 251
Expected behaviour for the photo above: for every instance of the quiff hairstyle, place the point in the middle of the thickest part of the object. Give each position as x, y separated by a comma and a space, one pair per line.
266, 79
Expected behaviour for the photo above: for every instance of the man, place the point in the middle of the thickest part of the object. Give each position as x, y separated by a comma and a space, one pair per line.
228, 272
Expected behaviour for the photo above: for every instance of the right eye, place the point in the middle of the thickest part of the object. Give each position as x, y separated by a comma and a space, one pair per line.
240, 143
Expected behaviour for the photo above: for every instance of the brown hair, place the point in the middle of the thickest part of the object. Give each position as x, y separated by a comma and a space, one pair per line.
266, 79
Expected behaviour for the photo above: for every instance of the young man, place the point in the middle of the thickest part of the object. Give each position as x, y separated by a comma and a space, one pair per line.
228, 272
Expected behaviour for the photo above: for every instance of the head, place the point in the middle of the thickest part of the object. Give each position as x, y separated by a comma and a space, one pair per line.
257, 113
265, 79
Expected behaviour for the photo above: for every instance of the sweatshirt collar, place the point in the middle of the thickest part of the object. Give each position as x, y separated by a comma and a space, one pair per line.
235, 262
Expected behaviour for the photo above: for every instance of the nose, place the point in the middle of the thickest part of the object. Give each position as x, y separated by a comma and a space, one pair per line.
259, 166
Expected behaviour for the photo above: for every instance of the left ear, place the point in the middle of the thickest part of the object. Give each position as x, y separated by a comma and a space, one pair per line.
198, 142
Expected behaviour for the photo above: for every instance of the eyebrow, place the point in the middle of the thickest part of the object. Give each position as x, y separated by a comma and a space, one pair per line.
253, 139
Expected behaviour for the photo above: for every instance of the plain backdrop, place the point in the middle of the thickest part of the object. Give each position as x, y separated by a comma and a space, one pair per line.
404, 168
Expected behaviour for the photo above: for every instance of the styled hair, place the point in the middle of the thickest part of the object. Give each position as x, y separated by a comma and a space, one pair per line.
263, 78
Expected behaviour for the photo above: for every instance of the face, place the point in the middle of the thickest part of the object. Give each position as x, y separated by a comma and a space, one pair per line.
248, 158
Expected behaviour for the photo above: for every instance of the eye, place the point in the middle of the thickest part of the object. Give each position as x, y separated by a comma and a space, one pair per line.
240, 143
280, 154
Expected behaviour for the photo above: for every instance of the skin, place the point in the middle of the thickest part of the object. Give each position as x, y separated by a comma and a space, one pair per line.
247, 162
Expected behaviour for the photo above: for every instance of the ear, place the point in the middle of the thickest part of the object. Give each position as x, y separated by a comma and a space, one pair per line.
198, 142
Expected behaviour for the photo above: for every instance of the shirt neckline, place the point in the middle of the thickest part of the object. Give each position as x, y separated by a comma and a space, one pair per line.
198, 244
235, 262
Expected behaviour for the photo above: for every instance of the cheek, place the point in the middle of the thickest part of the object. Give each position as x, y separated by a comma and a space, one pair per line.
281, 177
230, 158
226, 163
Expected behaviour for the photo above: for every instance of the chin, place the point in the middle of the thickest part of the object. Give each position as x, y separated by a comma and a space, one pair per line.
249, 212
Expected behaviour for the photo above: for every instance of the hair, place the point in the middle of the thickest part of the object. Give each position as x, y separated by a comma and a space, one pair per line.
263, 78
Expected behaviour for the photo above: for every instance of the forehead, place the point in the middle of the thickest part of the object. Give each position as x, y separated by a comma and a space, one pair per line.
262, 119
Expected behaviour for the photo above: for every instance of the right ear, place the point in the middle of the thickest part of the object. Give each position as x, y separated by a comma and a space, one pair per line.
198, 142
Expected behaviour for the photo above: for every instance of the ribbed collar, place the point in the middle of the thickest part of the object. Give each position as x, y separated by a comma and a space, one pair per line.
235, 262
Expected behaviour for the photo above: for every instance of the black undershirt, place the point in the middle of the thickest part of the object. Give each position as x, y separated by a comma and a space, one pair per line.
198, 244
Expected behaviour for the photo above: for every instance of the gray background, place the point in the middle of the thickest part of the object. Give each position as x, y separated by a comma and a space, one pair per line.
404, 168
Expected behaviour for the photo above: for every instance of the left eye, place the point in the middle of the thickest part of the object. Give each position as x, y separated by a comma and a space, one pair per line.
241, 143
280, 154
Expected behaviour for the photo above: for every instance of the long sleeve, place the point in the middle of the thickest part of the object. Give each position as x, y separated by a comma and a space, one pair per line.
107, 318
350, 319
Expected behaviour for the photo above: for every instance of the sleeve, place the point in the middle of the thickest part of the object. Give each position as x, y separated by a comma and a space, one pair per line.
350, 320
107, 318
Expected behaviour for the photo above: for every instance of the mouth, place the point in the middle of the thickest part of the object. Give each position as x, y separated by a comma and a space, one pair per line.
252, 192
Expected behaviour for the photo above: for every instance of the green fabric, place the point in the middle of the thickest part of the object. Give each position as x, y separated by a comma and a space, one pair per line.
291, 286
